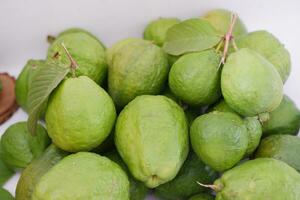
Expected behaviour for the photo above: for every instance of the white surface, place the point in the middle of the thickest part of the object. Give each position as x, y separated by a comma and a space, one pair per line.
25, 24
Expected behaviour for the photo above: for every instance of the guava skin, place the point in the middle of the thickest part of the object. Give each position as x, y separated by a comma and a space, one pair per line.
219, 139
5, 195
19, 147
138, 190
88, 53
202, 196
195, 79
80, 115
281, 147
220, 19
250, 84
184, 185
137, 67
285, 119
96, 177
253, 125
79, 30
152, 138
35, 170
269, 47
156, 30
23, 82
259, 179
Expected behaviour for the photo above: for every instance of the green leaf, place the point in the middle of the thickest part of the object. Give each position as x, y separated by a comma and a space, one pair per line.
5, 171
46, 79
191, 35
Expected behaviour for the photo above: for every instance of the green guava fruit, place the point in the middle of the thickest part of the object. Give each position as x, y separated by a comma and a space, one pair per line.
5, 195
35, 170
202, 196
19, 147
156, 30
269, 47
220, 19
195, 79
88, 53
79, 30
172, 59
83, 176
152, 138
184, 185
136, 67
138, 190
282, 147
220, 139
285, 119
80, 115
5, 171
250, 84
259, 179
253, 125
23, 82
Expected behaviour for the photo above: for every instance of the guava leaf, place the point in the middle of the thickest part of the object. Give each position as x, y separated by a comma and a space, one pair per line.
5, 171
191, 35
46, 79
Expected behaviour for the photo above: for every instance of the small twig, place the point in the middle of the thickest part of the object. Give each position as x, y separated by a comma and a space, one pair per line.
228, 37
213, 187
73, 62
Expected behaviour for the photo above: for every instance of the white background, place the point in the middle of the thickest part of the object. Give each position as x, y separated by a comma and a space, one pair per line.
24, 25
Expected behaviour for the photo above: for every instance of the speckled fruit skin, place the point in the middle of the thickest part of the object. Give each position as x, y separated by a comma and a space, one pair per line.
23, 82
136, 67
88, 53
184, 185
152, 138
80, 115
259, 179
156, 30
195, 79
282, 147
220, 139
138, 190
285, 119
253, 125
83, 176
19, 147
202, 196
250, 84
220, 19
270, 47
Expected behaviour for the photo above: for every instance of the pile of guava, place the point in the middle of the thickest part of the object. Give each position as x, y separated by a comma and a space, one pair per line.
193, 110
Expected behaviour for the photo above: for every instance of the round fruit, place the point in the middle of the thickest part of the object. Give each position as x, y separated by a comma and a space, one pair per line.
220, 19
282, 147
269, 47
83, 176
19, 147
136, 67
254, 130
195, 78
80, 115
185, 184
219, 139
88, 53
156, 30
259, 179
152, 138
285, 119
250, 84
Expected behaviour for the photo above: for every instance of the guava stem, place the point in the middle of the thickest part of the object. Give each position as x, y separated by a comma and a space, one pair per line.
50, 39
213, 187
73, 65
228, 37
